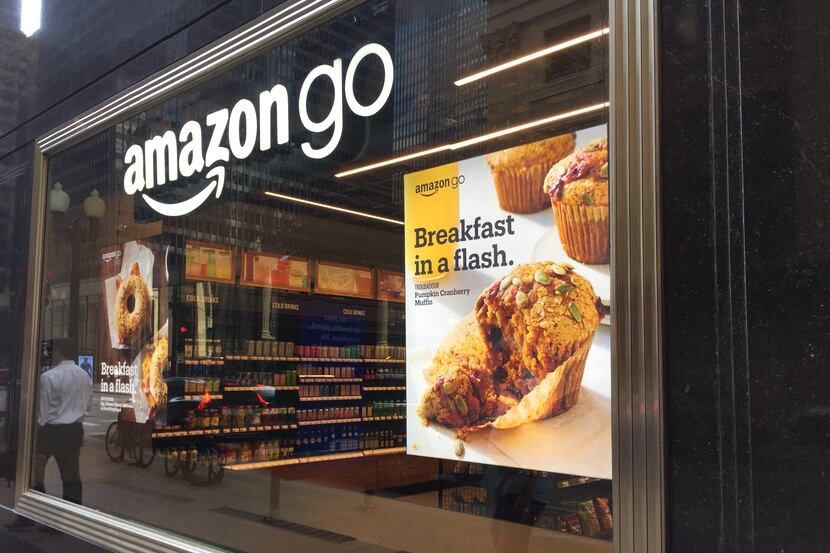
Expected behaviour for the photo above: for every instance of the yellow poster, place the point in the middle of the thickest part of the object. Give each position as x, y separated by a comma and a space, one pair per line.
431, 202
507, 296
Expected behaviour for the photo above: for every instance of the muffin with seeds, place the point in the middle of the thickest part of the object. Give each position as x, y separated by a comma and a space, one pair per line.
578, 191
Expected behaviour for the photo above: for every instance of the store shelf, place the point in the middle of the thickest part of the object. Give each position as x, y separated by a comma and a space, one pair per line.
330, 398
384, 451
384, 388
222, 431
310, 359
328, 421
259, 358
203, 395
390, 418
258, 388
204, 361
316, 379
317, 458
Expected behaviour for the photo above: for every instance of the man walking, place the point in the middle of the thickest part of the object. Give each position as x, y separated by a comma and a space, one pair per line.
64, 395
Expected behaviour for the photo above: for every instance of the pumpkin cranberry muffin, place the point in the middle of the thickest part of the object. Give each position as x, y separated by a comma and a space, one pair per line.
534, 320
461, 391
578, 190
518, 173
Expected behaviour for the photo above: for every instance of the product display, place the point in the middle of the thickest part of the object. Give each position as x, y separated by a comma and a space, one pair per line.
297, 395
578, 190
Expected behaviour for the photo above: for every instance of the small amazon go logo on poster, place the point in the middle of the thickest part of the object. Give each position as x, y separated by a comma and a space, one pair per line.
431, 188
165, 158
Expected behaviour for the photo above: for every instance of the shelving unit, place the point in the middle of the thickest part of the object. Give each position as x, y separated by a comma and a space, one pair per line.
353, 398
316, 458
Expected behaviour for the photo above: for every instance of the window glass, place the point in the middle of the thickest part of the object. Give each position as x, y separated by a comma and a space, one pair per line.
353, 289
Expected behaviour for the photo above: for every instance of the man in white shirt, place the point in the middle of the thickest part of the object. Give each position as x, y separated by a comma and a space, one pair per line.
64, 393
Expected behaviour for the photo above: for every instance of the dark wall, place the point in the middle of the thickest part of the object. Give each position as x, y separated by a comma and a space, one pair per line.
84, 52
745, 172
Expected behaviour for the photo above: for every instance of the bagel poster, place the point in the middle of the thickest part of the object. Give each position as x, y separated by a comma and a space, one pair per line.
134, 346
507, 303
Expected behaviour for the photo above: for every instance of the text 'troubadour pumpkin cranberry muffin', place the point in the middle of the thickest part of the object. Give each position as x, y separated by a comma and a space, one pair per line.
519, 172
541, 317
578, 190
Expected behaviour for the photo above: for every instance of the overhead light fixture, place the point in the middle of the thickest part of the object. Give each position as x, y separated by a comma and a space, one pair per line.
530, 57
476, 139
29, 16
393, 161
333, 208
525, 126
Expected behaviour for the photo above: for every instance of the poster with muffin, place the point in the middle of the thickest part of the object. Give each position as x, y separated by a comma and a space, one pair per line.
508, 296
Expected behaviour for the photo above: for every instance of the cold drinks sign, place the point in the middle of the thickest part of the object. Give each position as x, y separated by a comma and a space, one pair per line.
165, 158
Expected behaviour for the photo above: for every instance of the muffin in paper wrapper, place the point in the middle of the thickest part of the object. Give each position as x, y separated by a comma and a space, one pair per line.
519, 189
555, 394
583, 231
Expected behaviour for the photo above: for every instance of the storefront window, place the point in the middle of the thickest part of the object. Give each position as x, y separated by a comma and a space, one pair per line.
355, 288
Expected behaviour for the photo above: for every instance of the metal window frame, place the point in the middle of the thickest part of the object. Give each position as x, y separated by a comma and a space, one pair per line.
638, 456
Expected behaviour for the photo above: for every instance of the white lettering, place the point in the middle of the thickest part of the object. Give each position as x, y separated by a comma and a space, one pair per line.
134, 175
191, 160
240, 149
277, 96
335, 117
161, 152
159, 159
385, 90
215, 152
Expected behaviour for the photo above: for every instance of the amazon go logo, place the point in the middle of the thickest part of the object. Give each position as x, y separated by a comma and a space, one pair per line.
429, 189
165, 158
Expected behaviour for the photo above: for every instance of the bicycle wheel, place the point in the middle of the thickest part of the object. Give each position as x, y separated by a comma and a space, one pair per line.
143, 457
216, 472
171, 467
197, 476
188, 464
114, 443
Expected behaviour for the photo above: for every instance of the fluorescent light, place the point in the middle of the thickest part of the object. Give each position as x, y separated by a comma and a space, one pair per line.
333, 208
530, 57
29, 16
475, 140
525, 126
393, 161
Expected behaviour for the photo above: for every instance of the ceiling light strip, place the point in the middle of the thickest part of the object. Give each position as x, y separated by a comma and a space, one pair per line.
530, 125
533, 56
393, 161
333, 208
476, 140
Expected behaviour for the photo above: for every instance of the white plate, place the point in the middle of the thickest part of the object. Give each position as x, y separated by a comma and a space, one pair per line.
548, 246
575, 442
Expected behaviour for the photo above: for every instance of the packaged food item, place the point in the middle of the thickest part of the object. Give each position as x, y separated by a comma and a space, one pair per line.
588, 518
570, 523
603, 508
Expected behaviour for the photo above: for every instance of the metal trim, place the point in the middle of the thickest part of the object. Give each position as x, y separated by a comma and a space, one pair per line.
261, 33
103, 529
31, 331
637, 385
